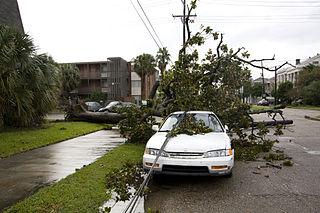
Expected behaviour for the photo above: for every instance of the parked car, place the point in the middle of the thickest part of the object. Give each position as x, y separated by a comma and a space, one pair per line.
263, 102
93, 106
200, 154
114, 105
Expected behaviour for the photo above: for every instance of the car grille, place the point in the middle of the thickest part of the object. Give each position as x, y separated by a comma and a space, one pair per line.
185, 155
185, 169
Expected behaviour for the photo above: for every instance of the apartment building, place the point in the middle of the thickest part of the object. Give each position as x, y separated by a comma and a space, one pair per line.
111, 77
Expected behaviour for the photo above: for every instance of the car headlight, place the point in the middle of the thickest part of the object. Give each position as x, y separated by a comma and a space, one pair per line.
218, 153
151, 151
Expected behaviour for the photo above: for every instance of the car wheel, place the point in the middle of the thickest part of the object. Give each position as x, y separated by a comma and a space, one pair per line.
229, 175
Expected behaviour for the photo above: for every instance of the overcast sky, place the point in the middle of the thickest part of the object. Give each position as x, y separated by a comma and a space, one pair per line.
93, 30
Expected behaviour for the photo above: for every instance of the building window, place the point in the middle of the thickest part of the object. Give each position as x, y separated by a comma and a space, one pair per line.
136, 83
315, 62
104, 68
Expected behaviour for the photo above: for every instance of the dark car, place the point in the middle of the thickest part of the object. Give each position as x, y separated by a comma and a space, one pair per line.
114, 105
93, 106
263, 102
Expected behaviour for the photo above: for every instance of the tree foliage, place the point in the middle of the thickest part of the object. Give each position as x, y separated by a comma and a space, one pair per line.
29, 83
144, 64
307, 83
213, 83
70, 76
283, 92
162, 58
311, 94
307, 75
97, 97
135, 127
257, 90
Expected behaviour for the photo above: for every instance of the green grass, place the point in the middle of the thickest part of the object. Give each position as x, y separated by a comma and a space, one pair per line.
17, 140
57, 111
259, 107
304, 107
83, 191
318, 116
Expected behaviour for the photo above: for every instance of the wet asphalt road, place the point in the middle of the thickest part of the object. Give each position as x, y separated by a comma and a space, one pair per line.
23, 174
254, 187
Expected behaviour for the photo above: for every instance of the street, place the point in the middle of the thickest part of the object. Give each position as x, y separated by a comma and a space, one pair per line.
254, 187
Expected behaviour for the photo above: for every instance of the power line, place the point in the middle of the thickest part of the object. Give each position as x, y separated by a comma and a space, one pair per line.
145, 24
263, 5
150, 23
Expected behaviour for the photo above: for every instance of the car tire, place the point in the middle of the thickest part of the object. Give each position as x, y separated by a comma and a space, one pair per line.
229, 175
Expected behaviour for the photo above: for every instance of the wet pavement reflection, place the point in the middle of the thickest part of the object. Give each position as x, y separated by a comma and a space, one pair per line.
23, 174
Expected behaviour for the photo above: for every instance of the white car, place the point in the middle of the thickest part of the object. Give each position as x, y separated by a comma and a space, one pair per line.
200, 154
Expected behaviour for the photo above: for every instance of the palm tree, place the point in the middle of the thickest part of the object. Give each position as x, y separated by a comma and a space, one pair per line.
70, 77
163, 58
144, 65
28, 83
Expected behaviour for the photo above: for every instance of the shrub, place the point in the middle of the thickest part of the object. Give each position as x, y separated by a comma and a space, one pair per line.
311, 93
137, 126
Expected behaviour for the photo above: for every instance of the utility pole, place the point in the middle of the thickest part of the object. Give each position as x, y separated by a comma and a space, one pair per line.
275, 86
184, 22
183, 19
263, 89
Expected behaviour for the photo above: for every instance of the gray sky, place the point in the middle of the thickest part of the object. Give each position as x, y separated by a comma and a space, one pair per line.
93, 30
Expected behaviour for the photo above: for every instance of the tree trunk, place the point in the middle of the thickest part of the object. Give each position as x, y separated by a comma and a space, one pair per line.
154, 90
96, 117
143, 87
79, 113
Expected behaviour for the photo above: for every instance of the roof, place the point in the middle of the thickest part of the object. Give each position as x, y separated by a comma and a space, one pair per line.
309, 60
10, 14
289, 70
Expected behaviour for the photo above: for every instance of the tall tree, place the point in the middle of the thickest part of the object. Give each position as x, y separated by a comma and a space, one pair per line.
257, 90
307, 75
70, 76
29, 83
163, 58
144, 65
283, 92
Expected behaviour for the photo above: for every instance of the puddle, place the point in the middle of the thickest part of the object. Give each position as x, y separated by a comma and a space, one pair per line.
289, 139
314, 152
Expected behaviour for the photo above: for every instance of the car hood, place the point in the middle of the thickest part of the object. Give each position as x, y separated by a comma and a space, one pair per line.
191, 143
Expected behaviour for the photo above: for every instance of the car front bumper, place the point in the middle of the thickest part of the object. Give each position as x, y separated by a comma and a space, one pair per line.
197, 166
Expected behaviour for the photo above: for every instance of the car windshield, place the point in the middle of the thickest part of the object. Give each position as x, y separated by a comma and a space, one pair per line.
209, 120
113, 103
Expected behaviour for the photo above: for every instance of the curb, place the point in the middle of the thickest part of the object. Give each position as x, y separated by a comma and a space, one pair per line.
311, 118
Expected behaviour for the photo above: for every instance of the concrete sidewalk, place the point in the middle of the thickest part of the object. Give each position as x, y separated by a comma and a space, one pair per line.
23, 174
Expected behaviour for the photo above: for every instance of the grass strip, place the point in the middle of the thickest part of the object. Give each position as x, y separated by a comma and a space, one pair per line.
83, 191
259, 107
17, 140
304, 107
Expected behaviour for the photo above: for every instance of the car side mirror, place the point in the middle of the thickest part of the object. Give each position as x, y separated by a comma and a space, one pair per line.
155, 128
226, 128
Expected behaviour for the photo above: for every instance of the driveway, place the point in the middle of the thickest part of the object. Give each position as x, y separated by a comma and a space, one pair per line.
254, 187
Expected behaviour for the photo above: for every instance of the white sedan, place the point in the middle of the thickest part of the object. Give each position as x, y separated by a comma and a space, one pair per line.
200, 154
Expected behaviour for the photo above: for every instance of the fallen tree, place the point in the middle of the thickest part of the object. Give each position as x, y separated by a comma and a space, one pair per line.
78, 112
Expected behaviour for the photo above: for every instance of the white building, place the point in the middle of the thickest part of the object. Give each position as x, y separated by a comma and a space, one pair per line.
291, 74
136, 87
